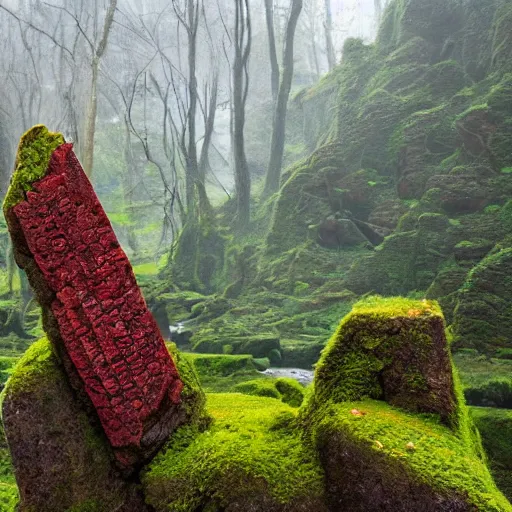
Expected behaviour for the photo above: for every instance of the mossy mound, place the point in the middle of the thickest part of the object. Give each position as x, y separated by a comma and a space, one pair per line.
285, 389
380, 458
391, 349
387, 454
251, 459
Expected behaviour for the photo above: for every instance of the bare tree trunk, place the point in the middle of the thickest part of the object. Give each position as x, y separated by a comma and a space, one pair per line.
278, 130
329, 46
129, 186
240, 89
191, 156
274, 65
209, 124
378, 11
90, 123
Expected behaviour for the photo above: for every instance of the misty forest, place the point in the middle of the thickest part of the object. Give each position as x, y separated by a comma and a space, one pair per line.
256, 255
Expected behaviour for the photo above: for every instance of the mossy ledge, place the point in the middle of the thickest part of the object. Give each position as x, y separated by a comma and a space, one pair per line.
34, 153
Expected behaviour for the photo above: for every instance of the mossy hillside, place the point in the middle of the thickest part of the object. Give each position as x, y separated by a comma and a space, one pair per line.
261, 322
220, 373
392, 349
496, 392
198, 256
318, 106
34, 152
482, 314
495, 427
252, 458
406, 109
476, 369
419, 462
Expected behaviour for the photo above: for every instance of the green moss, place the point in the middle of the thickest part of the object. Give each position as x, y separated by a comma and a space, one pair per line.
287, 390
495, 426
292, 393
8, 496
7, 364
437, 458
192, 395
482, 316
252, 454
220, 365
496, 392
34, 152
260, 387
36, 366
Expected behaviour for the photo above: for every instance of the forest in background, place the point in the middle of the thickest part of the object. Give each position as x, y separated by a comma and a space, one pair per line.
252, 238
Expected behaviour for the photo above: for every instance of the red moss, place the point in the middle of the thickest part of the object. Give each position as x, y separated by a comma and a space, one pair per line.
106, 327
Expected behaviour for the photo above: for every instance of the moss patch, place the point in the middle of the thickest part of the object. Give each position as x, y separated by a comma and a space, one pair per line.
424, 464
495, 426
252, 458
34, 152
287, 390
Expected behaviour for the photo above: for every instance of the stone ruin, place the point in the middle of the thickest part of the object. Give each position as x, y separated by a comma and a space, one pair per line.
93, 311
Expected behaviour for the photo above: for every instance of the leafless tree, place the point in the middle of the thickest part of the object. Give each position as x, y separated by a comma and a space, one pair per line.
279, 124
242, 44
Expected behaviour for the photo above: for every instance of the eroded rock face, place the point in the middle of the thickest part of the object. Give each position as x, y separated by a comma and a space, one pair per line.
93, 310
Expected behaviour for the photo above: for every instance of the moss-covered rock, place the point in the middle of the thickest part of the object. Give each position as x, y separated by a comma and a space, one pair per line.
380, 458
285, 389
251, 459
60, 459
391, 349
377, 456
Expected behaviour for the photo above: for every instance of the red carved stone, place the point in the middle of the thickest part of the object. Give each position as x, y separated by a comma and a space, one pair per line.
102, 319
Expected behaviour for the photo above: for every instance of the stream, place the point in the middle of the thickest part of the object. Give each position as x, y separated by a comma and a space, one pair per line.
304, 377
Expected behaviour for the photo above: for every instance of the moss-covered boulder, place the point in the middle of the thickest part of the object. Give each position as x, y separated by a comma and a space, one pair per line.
483, 316
252, 459
386, 366
61, 461
285, 389
390, 349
